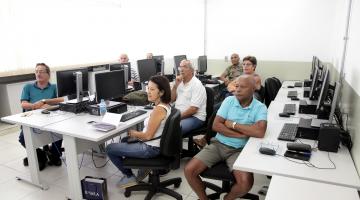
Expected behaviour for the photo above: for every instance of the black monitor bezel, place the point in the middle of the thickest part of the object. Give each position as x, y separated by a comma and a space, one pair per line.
70, 81
118, 76
146, 69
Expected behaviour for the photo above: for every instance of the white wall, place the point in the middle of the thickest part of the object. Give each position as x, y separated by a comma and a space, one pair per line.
271, 30
68, 32
352, 61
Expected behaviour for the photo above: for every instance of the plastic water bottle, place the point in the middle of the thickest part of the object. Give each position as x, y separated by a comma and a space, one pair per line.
102, 107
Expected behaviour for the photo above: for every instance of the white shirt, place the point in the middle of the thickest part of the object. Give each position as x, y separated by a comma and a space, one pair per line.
192, 93
159, 131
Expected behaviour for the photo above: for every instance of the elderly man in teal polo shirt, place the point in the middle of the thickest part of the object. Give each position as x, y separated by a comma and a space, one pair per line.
240, 116
41, 94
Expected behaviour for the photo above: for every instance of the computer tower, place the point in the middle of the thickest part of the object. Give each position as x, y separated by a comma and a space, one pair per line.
329, 137
306, 131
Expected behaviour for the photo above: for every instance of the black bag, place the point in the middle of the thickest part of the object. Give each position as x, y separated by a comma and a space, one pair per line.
94, 188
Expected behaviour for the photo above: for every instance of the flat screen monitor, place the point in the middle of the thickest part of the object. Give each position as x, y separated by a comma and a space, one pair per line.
324, 89
110, 85
202, 64
159, 64
334, 100
66, 81
122, 66
314, 64
177, 60
146, 69
314, 82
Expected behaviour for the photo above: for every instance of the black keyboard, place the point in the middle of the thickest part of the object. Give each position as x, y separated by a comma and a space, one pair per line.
288, 132
292, 94
298, 84
127, 116
290, 109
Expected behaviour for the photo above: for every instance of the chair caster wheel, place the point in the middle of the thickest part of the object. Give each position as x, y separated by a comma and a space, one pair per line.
127, 193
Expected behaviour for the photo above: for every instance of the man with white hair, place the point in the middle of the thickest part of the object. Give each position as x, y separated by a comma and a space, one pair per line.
134, 75
189, 96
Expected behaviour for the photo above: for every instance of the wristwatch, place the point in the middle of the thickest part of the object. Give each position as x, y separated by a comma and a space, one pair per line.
43, 101
233, 125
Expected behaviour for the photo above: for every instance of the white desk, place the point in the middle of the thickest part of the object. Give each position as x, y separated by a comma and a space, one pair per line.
251, 160
79, 136
283, 188
35, 119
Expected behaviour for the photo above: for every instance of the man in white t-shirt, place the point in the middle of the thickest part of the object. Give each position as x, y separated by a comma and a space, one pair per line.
189, 96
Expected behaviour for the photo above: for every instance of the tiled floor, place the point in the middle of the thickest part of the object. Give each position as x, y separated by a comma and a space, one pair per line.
12, 153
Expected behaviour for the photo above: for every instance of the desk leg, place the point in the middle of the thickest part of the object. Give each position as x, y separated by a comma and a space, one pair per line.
32, 159
72, 167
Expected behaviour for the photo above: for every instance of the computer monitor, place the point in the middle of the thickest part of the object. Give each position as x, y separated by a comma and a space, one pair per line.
317, 82
122, 66
110, 85
202, 64
324, 90
146, 69
66, 81
177, 60
314, 64
159, 64
334, 100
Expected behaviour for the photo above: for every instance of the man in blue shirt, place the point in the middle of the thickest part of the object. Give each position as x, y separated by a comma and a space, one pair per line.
240, 116
41, 94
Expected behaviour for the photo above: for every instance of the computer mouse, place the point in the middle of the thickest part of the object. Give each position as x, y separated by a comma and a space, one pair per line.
284, 115
45, 112
267, 151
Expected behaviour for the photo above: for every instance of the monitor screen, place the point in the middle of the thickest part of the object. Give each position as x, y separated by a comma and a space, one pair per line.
66, 81
334, 100
122, 66
202, 64
159, 64
314, 64
146, 69
110, 85
324, 89
177, 60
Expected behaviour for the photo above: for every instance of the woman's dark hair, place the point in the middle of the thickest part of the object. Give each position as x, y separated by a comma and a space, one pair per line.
252, 59
47, 68
163, 85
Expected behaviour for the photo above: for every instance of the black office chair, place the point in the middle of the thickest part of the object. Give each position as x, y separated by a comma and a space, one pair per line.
221, 172
169, 158
272, 86
192, 147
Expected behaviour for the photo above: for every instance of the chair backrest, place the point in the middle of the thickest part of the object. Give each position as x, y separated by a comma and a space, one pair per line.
209, 102
260, 94
272, 86
171, 138
209, 132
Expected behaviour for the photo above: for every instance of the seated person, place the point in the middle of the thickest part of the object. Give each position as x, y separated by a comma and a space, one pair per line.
41, 94
230, 74
249, 66
233, 131
160, 94
134, 75
189, 96
233, 71
149, 56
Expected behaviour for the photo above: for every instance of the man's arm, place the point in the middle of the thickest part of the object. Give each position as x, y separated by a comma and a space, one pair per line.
31, 106
54, 100
219, 126
254, 130
223, 78
178, 80
189, 112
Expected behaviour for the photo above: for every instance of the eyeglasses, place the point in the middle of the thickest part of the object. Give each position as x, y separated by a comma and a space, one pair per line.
40, 72
247, 64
